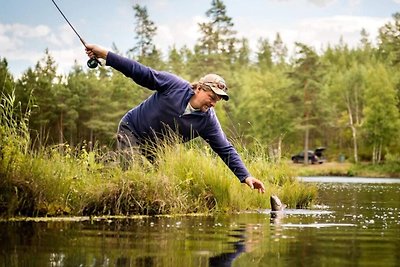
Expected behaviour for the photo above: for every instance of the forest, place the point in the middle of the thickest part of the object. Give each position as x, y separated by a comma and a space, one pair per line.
343, 98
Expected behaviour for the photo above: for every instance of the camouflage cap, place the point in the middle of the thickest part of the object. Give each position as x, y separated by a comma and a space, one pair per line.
217, 84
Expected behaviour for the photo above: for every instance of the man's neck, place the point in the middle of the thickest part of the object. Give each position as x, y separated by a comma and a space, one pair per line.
193, 102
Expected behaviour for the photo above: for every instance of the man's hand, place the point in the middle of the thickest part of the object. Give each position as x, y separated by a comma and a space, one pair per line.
254, 183
96, 51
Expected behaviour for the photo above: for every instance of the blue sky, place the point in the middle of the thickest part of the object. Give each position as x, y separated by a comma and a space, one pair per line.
27, 28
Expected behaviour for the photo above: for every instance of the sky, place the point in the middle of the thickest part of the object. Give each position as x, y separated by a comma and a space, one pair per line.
28, 28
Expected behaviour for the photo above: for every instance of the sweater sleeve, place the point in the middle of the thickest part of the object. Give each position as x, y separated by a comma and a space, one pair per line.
141, 74
214, 135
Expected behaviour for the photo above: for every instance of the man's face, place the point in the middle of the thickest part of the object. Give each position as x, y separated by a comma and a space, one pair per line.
208, 99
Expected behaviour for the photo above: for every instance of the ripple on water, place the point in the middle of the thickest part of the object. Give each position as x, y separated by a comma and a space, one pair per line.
318, 225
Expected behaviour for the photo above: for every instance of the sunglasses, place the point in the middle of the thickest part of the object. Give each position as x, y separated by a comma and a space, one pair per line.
213, 95
220, 84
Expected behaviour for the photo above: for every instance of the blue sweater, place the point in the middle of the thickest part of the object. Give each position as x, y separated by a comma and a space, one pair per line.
163, 111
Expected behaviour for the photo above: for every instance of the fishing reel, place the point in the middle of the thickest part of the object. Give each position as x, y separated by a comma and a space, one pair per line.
93, 63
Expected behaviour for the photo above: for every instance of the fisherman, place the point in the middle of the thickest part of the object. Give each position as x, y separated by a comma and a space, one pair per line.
177, 105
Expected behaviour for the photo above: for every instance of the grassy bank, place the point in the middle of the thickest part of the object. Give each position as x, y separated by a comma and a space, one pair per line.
391, 168
187, 178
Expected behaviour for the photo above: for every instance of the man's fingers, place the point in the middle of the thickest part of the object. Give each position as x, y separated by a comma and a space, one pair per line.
255, 184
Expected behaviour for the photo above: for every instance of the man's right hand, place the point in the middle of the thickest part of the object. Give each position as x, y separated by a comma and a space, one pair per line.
96, 51
254, 183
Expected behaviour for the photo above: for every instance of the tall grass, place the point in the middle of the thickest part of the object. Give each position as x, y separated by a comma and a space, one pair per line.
185, 178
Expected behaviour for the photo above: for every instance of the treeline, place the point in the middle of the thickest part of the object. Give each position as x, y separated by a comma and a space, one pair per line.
342, 98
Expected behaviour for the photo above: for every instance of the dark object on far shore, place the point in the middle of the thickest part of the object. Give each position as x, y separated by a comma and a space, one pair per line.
314, 157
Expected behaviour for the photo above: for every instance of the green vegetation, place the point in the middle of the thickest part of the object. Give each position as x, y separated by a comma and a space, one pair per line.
61, 159
62, 180
342, 98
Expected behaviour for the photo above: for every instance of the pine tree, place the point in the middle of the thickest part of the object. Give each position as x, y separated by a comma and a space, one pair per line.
389, 41
264, 54
6, 78
307, 81
218, 36
145, 30
279, 50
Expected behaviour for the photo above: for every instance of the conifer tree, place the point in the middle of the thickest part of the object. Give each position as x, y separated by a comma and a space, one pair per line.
145, 30
217, 35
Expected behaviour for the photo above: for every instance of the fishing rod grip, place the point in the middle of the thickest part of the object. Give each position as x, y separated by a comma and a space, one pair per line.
93, 62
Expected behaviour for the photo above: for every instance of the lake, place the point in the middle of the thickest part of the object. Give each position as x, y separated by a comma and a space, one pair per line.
356, 223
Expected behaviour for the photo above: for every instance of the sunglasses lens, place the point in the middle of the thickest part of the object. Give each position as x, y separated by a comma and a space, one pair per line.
221, 86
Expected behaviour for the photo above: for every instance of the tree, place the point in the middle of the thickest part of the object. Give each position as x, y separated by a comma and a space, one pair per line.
389, 45
97, 112
365, 42
176, 62
389, 41
37, 86
263, 109
243, 59
307, 76
382, 119
345, 83
279, 50
217, 35
346, 92
145, 30
264, 54
6, 78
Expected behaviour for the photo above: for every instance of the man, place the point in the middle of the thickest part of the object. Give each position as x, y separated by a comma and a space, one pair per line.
178, 106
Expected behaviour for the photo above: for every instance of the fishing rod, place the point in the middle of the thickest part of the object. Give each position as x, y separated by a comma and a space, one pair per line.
92, 62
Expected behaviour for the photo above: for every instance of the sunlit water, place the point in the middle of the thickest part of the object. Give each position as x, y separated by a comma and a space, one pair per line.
356, 223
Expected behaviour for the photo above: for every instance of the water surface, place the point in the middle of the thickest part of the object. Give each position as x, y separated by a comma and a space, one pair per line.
356, 223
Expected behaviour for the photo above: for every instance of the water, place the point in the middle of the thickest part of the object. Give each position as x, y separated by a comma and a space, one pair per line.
357, 223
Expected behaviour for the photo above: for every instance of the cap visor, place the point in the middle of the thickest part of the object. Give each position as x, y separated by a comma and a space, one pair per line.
221, 93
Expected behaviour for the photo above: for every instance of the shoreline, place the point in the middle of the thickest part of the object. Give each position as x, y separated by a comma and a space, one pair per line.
345, 169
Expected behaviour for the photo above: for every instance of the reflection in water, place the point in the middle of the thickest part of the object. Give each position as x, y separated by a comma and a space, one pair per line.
356, 225
180, 241
226, 259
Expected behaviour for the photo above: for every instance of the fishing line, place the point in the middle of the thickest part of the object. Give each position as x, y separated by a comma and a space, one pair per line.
92, 62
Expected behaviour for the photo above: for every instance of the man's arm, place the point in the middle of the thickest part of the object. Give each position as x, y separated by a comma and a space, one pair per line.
139, 73
225, 150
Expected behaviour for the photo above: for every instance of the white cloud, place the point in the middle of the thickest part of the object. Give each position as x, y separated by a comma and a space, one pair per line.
65, 58
322, 3
14, 36
316, 32
21, 30
179, 33
322, 31
19, 42
319, 3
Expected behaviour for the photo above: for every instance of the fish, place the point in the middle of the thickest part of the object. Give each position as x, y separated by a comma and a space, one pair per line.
276, 203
